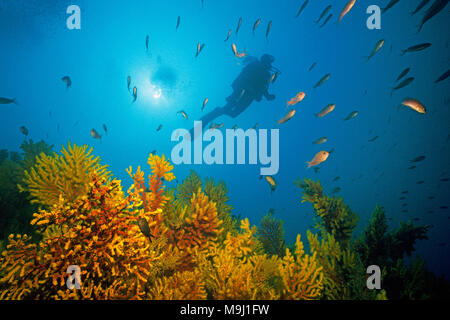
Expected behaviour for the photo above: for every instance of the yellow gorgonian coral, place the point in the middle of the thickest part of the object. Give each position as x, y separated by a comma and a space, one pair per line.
302, 275
101, 237
234, 270
152, 197
67, 174
186, 285
161, 167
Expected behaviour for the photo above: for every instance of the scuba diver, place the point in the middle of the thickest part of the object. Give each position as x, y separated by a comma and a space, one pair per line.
251, 84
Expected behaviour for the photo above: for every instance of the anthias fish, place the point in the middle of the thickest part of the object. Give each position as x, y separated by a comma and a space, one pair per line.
298, 97
228, 35
178, 22
287, 117
145, 229
326, 110
302, 8
326, 20
418, 159
271, 182
336, 190
7, 101
204, 103
312, 66
377, 48
402, 74
95, 134
24, 130
320, 140
159, 127
403, 84
389, 5
436, 7
236, 53
147, 39
105, 128
346, 9
320, 157
324, 79
199, 48
216, 125
128, 82
444, 76
324, 12
256, 24
274, 77
351, 115
269, 26
422, 4
415, 105
67, 81
134, 94
184, 114
373, 139
238, 25
418, 47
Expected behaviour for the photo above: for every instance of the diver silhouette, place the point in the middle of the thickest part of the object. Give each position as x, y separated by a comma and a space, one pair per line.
251, 84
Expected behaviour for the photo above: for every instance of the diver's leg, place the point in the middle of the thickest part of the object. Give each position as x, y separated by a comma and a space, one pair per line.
239, 107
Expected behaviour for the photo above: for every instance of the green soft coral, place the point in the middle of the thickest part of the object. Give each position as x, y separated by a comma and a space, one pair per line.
16, 210
271, 235
332, 214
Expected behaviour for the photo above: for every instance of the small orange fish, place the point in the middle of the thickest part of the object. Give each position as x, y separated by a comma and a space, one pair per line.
299, 97
236, 53
95, 134
346, 9
134, 94
326, 110
287, 117
415, 105
204, 103
320, 157
200, 47
272, 182
184, 114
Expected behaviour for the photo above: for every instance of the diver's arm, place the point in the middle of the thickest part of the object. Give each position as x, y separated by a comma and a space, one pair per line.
269, 97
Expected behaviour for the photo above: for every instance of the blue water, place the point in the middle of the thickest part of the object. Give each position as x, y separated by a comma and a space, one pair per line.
37, 50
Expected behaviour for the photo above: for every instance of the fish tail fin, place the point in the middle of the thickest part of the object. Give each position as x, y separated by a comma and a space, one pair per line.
15, 101
309, 164
419, 28
403, 52
392, 92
